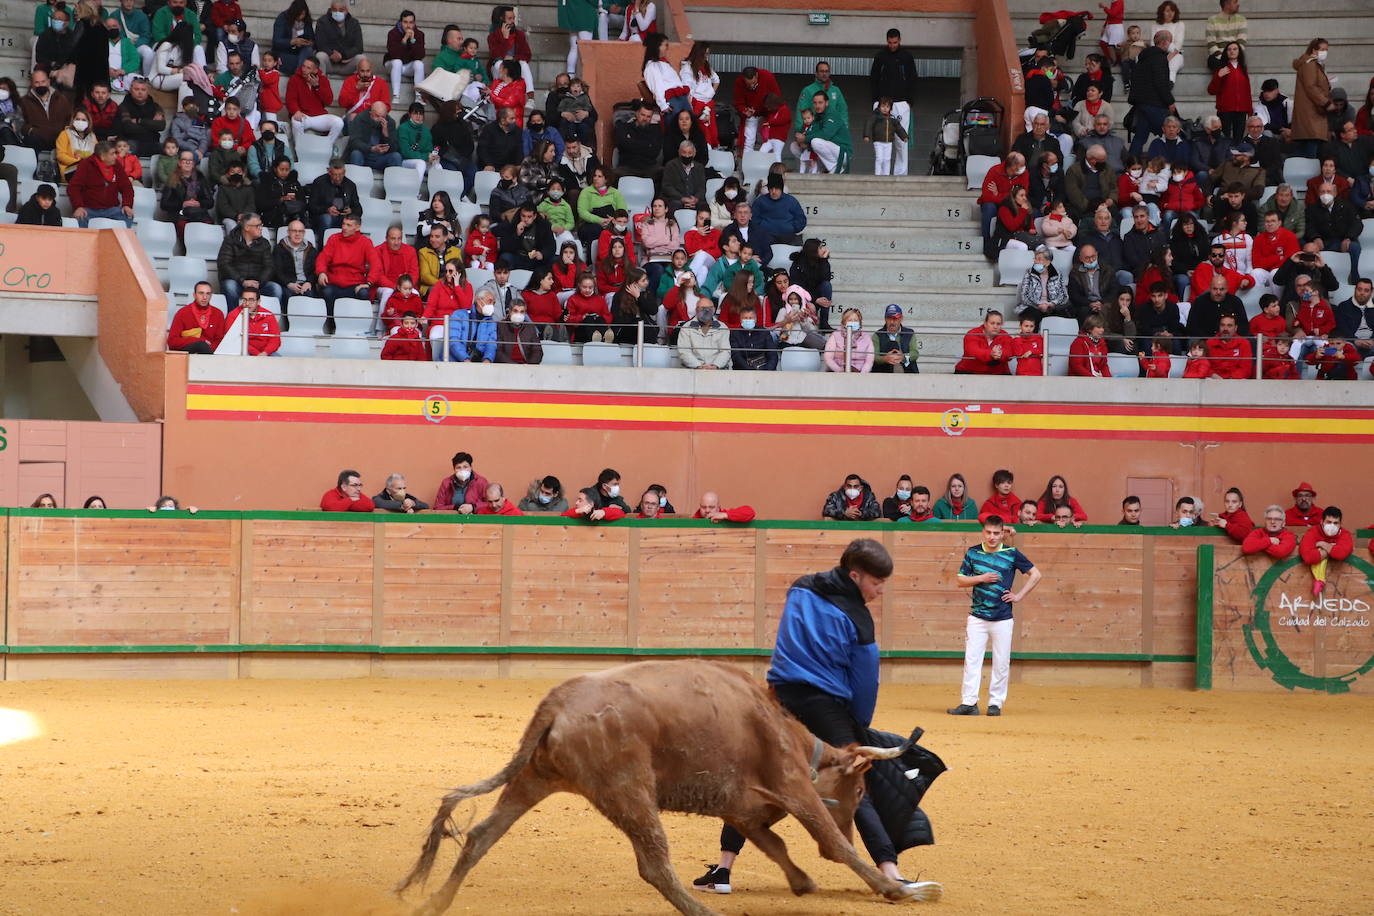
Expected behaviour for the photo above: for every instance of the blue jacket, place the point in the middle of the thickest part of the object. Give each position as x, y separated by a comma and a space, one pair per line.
529, 138
826, 640
1347, 315
468, 335
783, 216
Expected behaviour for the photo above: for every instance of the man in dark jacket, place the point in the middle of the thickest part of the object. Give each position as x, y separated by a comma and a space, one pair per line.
684, 179
1355, 318
1139, 245
1268, 150
779, 214
607, 491
293, 266
372, 139
852, 502
140, 120
246, 261
1334, 222
333, 196
639, 142
895, 349
1204, 318
498, 144
46, 112
1351, 151
41, 208
1037, 140
338, 40
753, 347
1152, 94
1092, 284
526, 239
893, 76
1090, 181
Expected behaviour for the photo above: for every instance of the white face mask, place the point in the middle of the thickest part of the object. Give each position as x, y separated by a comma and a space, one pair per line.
81, 125
731, 194
1321, 56
621, 227
852, 325
662, 501
226, 143
545, 498
1330, 529
1185, 522
1327, 199
463, 475
852, 492
1176, 178
488, 310
338, 15
517, 317
904, 494
614, 490
1136, 173
4, 95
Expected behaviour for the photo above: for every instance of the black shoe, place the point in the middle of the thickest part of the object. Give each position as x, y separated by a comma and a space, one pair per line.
329, 325
715, 881
965, 709
994, 710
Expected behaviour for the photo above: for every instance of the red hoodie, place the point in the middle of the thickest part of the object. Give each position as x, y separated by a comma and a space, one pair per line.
1258, 541
1198, 367
388, 265
565, 275
208, 322
1238, 525
97, 186
481, 247
1277, 364
1231, 357
737, 514
346, 259
444, 300
978, 358
336, 500
239, 127
1088, 357
1007, 508
396, 307
1342, 545
613, 514
1269, 326
264, 334
406, 343
997, 186
580, 306
1182, 195
269, 95
1156, 365
507, 508
1029, 350
1342, 363
1232, 91
1316, 318
1202, 280
301, 98
746, 98
778, 125
1272, 249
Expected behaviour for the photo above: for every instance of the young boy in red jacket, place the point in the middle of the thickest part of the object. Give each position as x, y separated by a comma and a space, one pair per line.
1269, 321
1324, 543
1336, 361
1199, 366
1158, 363
1276, 363
261, 328
406, 340
1029, 349
1003, 503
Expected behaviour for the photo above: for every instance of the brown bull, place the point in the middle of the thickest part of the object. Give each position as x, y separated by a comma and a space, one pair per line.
693, 736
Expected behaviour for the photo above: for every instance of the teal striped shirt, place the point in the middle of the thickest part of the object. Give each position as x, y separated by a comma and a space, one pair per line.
987, 596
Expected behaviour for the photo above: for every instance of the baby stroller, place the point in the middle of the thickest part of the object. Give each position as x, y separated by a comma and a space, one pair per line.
1059, 31
972, 130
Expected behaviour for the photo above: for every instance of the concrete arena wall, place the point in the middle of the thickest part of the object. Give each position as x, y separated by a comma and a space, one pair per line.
306, 595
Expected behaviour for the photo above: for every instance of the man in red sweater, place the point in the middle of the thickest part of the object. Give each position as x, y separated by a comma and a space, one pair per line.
308, 95
198, 326
390, 260
1324, 543
1204, 272
261, 329
1231, 356
495, 502
1275, 245
344, 266
997, 185
1272, 539
99, 188
987, 348
752, 86
1304, 512
347, 496
710, 508
582, 508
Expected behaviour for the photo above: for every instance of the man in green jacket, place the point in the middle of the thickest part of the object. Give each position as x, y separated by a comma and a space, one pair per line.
834, 98
827, 137
130, 64
166, 19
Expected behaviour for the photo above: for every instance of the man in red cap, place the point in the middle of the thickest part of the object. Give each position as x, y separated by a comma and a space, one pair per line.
1304, 512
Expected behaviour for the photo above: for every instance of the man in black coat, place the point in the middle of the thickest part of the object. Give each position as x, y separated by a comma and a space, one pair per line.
139, 119
639, 142
499, 143
1139, 244
526, 239
1333, 221
1204, 318
333, 196
893, 76
1152, 93
1037, 140
1355, 318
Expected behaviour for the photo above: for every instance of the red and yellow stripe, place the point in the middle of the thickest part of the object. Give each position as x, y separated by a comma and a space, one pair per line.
295, 404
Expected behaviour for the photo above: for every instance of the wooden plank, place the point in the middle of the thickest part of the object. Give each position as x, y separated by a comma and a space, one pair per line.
696, 587
1147, 606
581, 600
632, 589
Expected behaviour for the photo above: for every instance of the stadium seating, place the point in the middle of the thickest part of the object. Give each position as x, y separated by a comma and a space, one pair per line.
638, 193
203, 240
799, 359
401, 183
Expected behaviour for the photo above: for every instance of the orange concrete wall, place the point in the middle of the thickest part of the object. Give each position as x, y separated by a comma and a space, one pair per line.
120, 462
133, 320
614, 70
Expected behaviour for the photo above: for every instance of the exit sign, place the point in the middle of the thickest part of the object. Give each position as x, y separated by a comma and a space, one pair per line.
818, 18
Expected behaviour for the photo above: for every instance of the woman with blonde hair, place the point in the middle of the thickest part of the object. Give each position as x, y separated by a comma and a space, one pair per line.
849, 349
74, 143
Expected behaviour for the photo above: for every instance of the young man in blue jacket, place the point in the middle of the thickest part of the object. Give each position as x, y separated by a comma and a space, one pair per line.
825, 673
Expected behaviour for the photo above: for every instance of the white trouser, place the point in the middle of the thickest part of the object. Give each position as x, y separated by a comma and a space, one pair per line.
415, 68
437, 343
605, 22
975, 642
751, 132
902, 112
419, 165
573, 38
1175, 65
701, 264
824, 151
882, 158
383, 294
146, 53
773, 146
328, 124
806, 160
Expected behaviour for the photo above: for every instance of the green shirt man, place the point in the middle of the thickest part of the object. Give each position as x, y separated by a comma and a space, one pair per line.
835, 102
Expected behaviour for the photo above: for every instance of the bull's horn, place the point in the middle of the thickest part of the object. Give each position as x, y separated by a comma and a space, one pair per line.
892, 753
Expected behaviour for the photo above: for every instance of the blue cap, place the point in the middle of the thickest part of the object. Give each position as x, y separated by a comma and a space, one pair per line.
893, 311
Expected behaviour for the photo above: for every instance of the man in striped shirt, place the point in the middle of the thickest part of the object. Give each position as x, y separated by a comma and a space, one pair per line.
1223, 28
988, 570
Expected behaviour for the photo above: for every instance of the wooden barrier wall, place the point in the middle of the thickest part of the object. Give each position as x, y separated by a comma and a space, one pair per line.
309, 594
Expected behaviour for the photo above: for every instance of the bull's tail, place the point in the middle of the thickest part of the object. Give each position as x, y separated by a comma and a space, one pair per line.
443, 825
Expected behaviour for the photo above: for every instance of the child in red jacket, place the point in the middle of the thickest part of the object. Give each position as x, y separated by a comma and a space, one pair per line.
1268, 322
407, 341
1158, 363
567, 268
1199, 366
1029, 349
1324, 543
481, 246
1275, 361
403, 299
1336, 361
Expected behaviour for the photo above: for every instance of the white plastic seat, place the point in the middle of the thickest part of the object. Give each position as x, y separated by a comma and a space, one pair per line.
329, 234
347, 307
95, 222
686, 219
307, 170
482, 186
307, 314
1178, 363
410, 215
293, 344
1339, 262
722, 160
203, 240
1367, 236
657, 356
1062, 332
754, 167
520, 278
145, 203
1123, 365
377, 219
313, 147
782, 256
976, 168
638, 193
712, 186
601, 354
557, 354
183, 273
799, 359
69, 222
478, 276
1063, 261
157, 239
363, 176
1012, 264
348, 346
1297, 170
467, 211
400, 183
24, 160
440, 179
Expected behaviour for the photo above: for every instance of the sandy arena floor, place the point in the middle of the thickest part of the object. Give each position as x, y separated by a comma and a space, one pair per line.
310, 797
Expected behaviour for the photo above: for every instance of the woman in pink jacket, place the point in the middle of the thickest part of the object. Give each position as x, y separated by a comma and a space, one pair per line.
858, 347
659, 236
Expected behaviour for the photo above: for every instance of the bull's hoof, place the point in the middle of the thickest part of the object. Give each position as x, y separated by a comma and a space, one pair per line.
919, 891
804, 886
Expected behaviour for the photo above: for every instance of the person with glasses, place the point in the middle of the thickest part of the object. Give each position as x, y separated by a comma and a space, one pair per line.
347, 496
246, 261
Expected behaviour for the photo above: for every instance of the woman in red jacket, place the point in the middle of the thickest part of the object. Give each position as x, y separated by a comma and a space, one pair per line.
1088, 352
1235, 521
452, 293
987, 348
509, 91
567, 268
610, 270
588, 312
1016, 221
1231, 85
1056, 495
541, 300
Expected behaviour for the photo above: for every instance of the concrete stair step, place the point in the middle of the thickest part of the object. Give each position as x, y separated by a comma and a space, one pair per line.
891, 208
923, 237
907, 275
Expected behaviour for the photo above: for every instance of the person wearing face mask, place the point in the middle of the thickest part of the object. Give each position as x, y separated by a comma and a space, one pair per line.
1334, 223
56, 46
684, 179
74, 144
704, 343
235, 197
224, 155
853, 502
752, 347
606, 493
1311, 100
472, 332
1090, 182
545, 494
997, 187
517, 339
122, 58
898, 505
338, 40
849, 349
462, 490
1324, 543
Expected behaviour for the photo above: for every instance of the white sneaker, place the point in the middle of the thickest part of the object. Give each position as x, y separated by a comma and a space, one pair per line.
922, 891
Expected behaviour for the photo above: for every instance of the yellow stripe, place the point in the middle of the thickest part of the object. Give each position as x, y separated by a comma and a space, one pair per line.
1201, 425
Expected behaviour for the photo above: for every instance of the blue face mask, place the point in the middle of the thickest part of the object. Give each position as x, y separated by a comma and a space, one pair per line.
1038, 268
338, 15
1090, 265
1185, 523
748, 324
545, 499
1054, 167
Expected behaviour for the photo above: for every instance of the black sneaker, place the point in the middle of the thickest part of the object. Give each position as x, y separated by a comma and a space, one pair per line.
329, 326
994, 710
964, 709
715, 881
